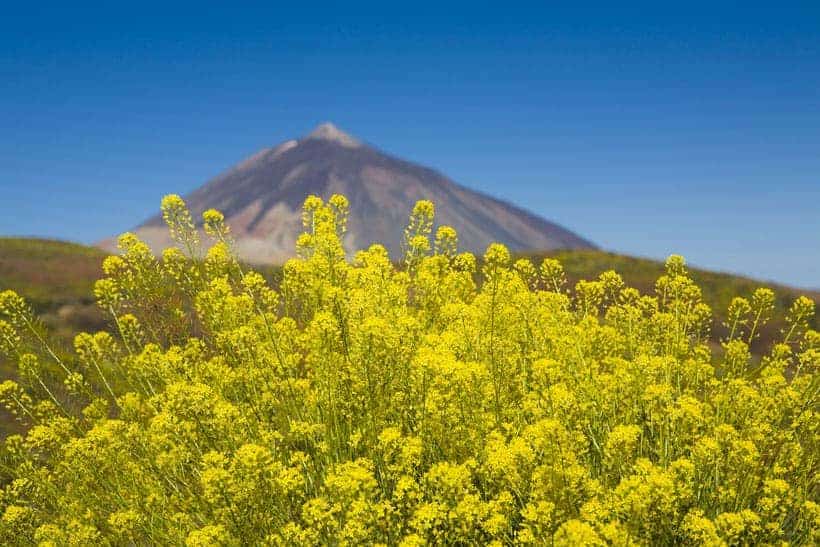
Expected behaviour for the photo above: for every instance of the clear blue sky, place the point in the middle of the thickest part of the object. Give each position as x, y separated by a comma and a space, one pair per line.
647, 128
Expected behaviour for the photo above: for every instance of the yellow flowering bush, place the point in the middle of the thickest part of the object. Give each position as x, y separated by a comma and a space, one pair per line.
446, 400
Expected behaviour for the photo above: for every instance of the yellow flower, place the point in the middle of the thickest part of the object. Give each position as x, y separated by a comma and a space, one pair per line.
359, 401
574, 532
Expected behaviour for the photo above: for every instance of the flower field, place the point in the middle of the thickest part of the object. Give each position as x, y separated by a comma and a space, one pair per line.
445, 401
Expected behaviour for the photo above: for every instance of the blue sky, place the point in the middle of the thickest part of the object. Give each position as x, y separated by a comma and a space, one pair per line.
646, 128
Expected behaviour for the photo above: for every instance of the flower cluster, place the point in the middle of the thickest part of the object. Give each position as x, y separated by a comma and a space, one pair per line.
447, 400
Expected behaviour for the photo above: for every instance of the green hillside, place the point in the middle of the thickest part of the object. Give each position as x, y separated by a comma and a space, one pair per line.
56, 277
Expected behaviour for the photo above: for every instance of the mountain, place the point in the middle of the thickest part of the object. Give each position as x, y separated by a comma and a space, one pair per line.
262, 196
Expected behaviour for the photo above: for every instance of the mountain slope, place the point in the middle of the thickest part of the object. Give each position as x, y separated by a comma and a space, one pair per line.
262, 196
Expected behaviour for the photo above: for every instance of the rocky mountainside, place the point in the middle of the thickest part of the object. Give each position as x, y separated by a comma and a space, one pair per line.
261, 198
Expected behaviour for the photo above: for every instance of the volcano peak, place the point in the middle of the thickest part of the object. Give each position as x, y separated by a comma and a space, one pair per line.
329, 132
